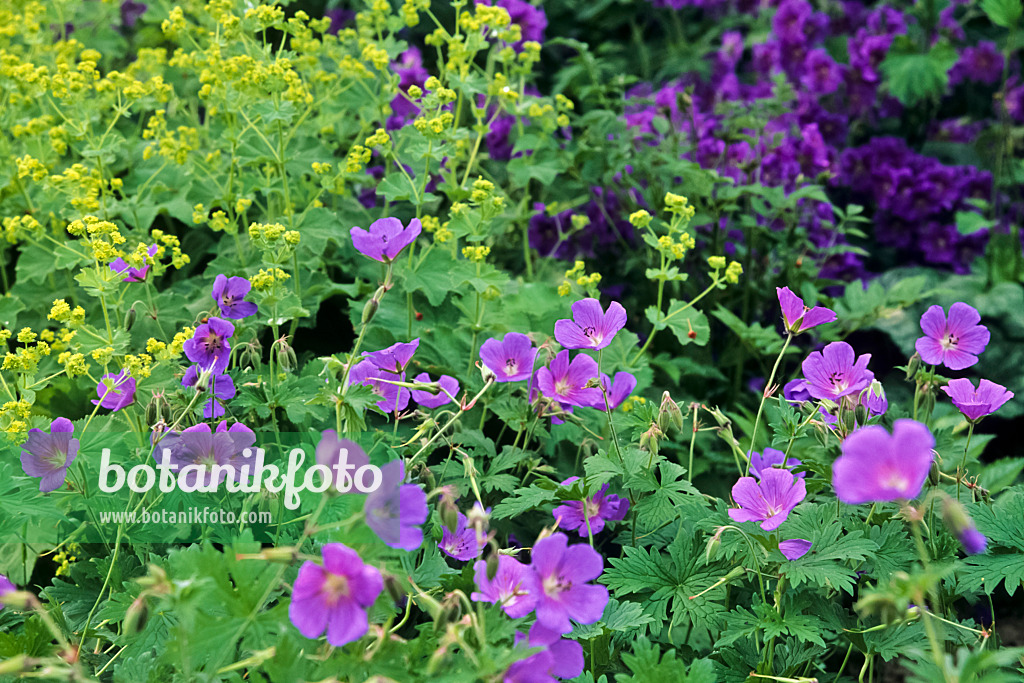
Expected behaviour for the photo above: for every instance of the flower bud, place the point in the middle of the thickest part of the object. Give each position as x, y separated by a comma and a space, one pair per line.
451, 611
449, 515
933, 474
369, 310
669, 414
860, 414
17, 664
714, 543
136, 616
962, 526
394, 588
649, 439
286, 356
426, 477
912, 366
129, 318
492, 566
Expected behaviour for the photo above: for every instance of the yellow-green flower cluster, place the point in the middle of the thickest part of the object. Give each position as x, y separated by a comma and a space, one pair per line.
265, 279
476, 254
578, 275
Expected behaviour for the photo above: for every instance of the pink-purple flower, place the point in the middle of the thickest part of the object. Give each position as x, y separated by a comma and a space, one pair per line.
449, 384
208, 456
220, 388
48, 455
772, 457
229, 293
121, 267
394, 358
385, 239
769, 501
209, 345
618, 390
393, 398
591, 327
566, 381
462, 544
510, 359
976, 403
560, 579
343, 456
396, 510
955, 341
799, 317
833, 372
508, 589
116, 390
878, 467
560, 658
599, 508
335, 596
5, 587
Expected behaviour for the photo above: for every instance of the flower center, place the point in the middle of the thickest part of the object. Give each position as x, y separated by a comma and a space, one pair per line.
591, 333
213, 343
838, 381
562, 387
511, 366
592, 508
335, 588
895, 480
555, 584
949, 342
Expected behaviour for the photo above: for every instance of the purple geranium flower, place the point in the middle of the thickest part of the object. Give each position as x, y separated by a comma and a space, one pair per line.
618, 390
976, 403
463, 543
799, 317
560, 658
5, 587
395, 510
508, 589
954, 342
131, 12
874, 399
591, 327
229, 293
336, 596
48, 455
116, 390
559, 580
772, 457
343, 456
385, 238
599, 508
395, 357
393, 397
795, 391
121, 267
428, 400
511, 359
877, 467
794, 548
832, 373
769, 501
973, 541
209, 346
208, 456
566, 381
221, 388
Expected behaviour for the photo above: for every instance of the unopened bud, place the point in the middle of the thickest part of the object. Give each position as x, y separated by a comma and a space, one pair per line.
860, 414
18, 599
394, 588
933, 474
286, 554
451, 610
487, 374
714, 543
136, 616
671, 409
492, 566
449, 515
426, 476
649, 439
369, 310
912, 366
286, 357
129, 318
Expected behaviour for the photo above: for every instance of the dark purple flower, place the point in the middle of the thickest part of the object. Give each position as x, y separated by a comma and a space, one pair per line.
559, 580
462, 544
385, 238
982, 63
208, 456
393, 397
976, 403
394, 358
769, 501
794, 549
954, 342
566, 381
121, 267
343, 456
5, 587
220, 387
428, 400
772, 458
878, 467
396, 510
229, 293
832, 373
340, 18
336, 596
591, 327
48, 455
209, 345
795, 391
508, 589
618, 390
511, 359
560, 658
973, 541
821, 73
131, 12
599, 508
799, 317
116, 390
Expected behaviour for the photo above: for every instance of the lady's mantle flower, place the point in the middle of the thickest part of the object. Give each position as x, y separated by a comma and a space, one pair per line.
508, 589
590, 327
209, 346
798, 317
877, 467
977, 403
395, 510
48, 455
201, 449
955, 341
336, 596
121, 267
559, 580
511, 359
429, 400
769, 501
220, 388
772, 457
795, 548
599, 508
115, 391
560, 658
229, 293
462, 544
832, 373
385, 238
566, 381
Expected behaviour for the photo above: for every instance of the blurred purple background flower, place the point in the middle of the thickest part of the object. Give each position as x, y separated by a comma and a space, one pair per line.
48, 455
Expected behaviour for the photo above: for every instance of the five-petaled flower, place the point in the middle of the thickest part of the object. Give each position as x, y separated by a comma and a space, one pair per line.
618, 390
229, 293
955, 341
209, 345
207, 456
591, 327
559, 581
832, 373
448, 384
48, 455
769, 501
976, 403
772, 457
116, 390
395, 510
877, 467
385, 239
510, 359
566, 381
799, 317
599, 508
220, 387
335, 596
508, 589
464, 543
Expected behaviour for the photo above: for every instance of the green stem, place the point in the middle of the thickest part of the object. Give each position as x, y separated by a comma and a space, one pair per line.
764, 396
963, 463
